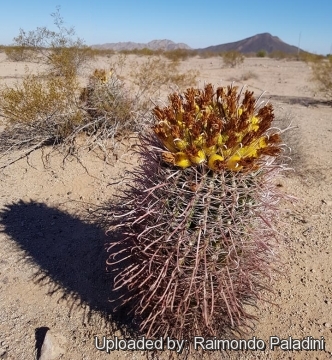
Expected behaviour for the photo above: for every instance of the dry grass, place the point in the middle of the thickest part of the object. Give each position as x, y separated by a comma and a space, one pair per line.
248, 75
322, 75
51, 108
20, 53
232, 58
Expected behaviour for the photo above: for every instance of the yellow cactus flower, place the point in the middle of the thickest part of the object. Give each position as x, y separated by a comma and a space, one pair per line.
212, 161
179, 118
199, 142
169, 144
182, 160
262, 142
232, 163
250, 151
198, 158
180, 144
254, 124
221, 140
208, 109
221, 129
209, 150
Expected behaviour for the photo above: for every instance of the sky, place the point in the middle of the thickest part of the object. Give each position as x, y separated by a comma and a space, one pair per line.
199, 24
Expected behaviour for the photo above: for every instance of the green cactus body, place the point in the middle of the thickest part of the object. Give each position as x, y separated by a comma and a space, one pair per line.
199, 238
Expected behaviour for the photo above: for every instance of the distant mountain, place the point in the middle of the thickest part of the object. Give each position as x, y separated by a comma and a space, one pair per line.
153, 45
253, 44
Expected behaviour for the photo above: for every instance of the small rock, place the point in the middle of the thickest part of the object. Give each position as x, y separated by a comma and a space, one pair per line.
328, 325
3, 353
327, 202
53, 346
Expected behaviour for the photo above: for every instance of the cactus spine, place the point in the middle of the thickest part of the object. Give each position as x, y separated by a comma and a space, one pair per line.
197, 218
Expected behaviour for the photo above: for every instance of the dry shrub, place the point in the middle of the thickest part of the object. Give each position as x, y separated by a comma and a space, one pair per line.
156, 74
20, 53
309, 57
279, 55
43, 108
58, 49
142, 52
108, 107
102, 52
322, 75
261, 53
207, 54
51, 108
179, 54
232, 58
248, 75
113, 110
68, 61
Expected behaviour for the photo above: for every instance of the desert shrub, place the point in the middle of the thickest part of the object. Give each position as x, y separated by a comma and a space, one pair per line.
20, 53
206, 54
248, 75
155, 74
59, 49
179, 54
147, 52
232, 58
261, 53
197, 241
102, 52
279, 55
41, 109
107, 105
113, 110
45, 108
322, 75
52, 108
309, 57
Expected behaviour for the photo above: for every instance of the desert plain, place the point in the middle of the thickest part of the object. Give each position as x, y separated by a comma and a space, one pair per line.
52, 257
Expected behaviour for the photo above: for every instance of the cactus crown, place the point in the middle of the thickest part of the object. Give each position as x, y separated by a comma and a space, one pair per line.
221, 128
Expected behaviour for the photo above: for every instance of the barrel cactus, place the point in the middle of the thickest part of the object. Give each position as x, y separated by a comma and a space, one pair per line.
198, 242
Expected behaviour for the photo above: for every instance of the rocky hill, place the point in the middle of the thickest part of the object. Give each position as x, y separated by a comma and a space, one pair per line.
253, 44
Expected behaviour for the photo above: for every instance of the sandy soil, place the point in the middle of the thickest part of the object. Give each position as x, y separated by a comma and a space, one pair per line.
52, 263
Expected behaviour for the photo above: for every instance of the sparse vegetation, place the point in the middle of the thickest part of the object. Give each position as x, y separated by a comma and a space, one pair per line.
141, 52
207, 54
156, 72
41, 110
52, 108
309, 57
279, 55
20, 53
232, 58
322, 75
64, 54
261, 53
248, 75
179, 54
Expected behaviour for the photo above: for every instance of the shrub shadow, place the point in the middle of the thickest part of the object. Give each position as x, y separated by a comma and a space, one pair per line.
301, 100
70, 255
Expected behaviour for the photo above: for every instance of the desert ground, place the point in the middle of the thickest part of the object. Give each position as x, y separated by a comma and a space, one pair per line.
52, 258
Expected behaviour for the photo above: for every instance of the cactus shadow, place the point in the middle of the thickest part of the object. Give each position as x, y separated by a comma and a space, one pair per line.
70, 255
